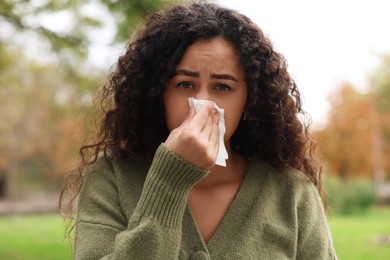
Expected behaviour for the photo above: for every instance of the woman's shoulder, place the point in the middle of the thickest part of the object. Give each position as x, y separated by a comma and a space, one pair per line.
284, 179
113, 180
281, 174
116, 163
114, 170
286, 187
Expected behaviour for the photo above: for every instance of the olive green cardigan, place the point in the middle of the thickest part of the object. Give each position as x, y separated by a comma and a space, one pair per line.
138, 210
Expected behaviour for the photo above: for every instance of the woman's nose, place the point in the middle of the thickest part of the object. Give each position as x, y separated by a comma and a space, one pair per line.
203, 93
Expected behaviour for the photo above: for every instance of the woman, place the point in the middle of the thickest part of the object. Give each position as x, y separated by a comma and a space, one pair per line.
152, 189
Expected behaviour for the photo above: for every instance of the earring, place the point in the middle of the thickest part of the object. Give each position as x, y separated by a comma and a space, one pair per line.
243, 116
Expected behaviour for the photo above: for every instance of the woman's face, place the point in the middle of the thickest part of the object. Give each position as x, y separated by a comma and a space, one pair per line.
209, 69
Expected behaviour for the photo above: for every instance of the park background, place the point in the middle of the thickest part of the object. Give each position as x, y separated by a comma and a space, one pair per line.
54, 55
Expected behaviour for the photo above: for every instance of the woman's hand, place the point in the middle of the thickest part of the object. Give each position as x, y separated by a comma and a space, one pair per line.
196, 140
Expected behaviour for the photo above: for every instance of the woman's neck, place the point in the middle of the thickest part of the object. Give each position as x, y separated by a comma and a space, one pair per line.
235, 171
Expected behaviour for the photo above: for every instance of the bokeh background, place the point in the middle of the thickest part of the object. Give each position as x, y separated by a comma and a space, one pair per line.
55, 55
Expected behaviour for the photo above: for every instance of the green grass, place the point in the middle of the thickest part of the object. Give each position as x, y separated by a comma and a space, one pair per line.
33, 237
355, 236
41, 236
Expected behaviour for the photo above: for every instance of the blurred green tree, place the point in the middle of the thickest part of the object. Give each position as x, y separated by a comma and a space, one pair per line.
42, 129
67, 24
380, 84
380, 87
46, 82
132, 13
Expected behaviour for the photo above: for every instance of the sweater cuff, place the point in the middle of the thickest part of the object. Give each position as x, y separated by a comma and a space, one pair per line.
167, 185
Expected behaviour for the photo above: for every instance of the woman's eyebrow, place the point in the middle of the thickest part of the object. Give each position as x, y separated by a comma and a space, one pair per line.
187, 73
195, 74
223, 76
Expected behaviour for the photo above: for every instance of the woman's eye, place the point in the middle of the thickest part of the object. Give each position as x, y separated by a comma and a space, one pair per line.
185, 84
223, 87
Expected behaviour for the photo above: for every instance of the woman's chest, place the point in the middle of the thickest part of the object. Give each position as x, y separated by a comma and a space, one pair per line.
208, 208
246, 234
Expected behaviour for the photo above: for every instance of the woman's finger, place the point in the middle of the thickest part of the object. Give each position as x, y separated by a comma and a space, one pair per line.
207, 130
199, 120
214, 137
205, 133
191, 140
189, 117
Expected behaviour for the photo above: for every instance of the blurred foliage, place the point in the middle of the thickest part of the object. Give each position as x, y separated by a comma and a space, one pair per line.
355, 142
47, 83
346, 141
41, 107
380, 87
67, 24
132, 13
25, 17
350, 197
380, 83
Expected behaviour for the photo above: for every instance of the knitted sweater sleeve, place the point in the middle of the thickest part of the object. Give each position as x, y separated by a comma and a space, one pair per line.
153, 230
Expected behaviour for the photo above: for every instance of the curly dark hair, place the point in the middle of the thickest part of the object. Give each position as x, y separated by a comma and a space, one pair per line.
276, 128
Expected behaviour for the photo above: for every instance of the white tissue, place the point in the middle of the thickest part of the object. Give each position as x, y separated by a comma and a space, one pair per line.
222, 153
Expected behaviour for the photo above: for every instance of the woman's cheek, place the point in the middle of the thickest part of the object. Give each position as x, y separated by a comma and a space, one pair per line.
231, 122
176, 114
